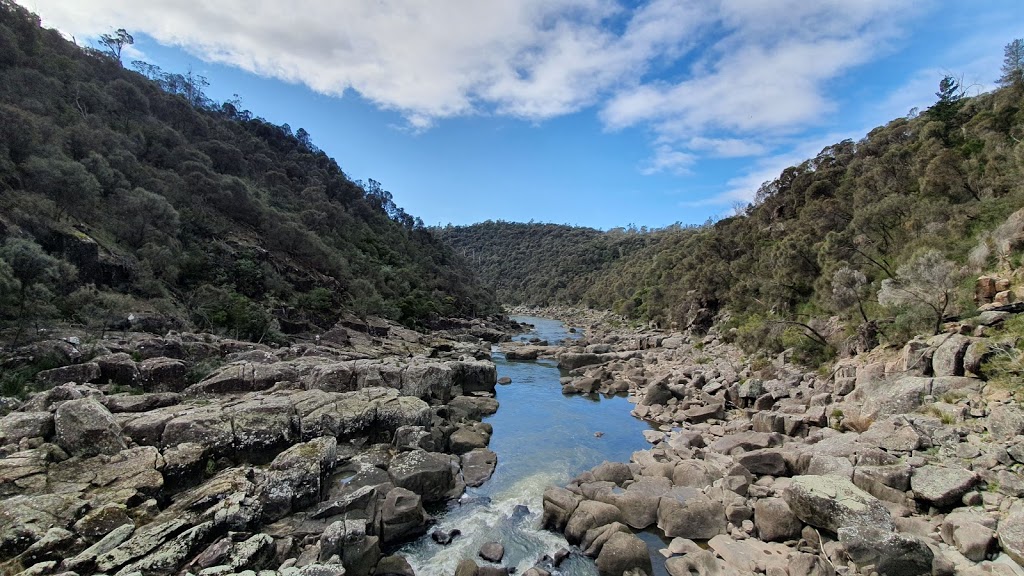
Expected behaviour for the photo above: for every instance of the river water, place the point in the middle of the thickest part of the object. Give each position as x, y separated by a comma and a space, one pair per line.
542, 438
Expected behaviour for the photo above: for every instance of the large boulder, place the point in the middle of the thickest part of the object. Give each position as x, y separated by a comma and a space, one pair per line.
432, 475
941, 486
559, 505
401, 516
118, 369
1005, 422
471, 376
589, 514
885, 398
78, 373
429, 381
262, 425
207, 426
18, 425
478, 465
831, 503
296, 476
348, 540
573, 360
948, 358
688, 513
84, 427
890, 552
244, 377
1011, 533
639, 503
623, 553
765, 461
163, 374
774, 521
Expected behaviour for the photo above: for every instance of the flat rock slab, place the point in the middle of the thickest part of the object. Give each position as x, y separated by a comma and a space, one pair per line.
832, 503
941, 486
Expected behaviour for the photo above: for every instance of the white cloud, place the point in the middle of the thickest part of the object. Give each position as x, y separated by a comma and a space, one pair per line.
718, 78
743, 187
667, 159
533, 59
727, 147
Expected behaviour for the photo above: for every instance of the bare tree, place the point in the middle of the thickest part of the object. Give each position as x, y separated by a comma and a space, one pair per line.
928, 282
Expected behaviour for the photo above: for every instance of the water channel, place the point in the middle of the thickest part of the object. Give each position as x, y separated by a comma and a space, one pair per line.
542, 438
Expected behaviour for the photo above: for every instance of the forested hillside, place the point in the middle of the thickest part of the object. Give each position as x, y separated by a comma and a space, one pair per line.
540, 264
853, 233
126, 192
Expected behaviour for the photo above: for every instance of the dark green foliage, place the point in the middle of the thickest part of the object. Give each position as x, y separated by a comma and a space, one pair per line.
818, 241
196, 210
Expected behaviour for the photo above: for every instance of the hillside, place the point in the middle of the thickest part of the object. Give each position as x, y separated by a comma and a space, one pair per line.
540, 264
129, 193
819, 242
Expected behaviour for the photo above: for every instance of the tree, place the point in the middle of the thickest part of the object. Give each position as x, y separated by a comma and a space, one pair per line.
928, 282
1013, 64
67, 182
115, 42
28, 278
848, 290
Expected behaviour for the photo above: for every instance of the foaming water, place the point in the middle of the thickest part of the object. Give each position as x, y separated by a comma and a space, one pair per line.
542, 439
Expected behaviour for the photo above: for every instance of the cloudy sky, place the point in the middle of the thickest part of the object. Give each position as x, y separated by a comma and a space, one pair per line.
602, 113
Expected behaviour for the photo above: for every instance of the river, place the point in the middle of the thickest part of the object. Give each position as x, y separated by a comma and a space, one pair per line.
542, 438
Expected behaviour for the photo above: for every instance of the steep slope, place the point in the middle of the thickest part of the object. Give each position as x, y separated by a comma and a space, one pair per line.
129, 193
819, 241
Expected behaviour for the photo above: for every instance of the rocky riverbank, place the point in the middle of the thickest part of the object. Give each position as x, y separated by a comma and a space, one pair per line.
188, 453
896, 462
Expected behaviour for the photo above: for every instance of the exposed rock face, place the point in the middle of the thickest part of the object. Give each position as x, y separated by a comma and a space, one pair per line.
623, 553
432, 475
941, 486
84, 427
832, 503
303, 461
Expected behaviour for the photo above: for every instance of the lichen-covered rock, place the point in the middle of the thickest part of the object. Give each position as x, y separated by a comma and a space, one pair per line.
948, 358
244, 377
432, 475
401, 516
163, 374
941, 486
26, 519
78, 373
890, 552
688, 513
1005, 422
118, 369
1011, 533
84, 427
832, 503
18, 425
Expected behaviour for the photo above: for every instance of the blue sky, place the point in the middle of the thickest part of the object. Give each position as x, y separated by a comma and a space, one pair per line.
599, 113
